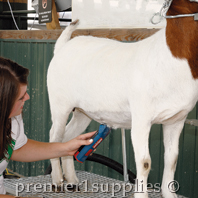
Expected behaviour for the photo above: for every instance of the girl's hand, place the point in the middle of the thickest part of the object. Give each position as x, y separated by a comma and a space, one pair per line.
35, 151
73, 145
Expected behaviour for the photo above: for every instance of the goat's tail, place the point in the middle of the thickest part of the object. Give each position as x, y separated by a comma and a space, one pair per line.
65, 36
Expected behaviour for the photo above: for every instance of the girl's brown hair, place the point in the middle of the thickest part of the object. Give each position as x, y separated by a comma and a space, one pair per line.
12, 75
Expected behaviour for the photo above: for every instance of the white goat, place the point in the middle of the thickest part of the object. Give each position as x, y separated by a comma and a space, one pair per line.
127, 85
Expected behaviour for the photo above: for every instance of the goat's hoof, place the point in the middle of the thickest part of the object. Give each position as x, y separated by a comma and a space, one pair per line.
73, 188
58, 189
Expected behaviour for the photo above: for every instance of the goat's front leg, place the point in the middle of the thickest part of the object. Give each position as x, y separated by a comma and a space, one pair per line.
140, 135
171, 144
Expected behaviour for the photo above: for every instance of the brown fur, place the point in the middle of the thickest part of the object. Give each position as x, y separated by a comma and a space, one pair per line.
182, 33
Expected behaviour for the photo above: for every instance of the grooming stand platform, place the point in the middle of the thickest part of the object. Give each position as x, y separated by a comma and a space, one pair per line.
90, 186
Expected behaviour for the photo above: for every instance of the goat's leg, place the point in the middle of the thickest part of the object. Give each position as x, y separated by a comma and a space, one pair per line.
76, 126
171, 145
56, 135
140, 136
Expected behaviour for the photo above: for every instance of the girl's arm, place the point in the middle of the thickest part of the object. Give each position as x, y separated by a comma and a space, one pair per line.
35, 151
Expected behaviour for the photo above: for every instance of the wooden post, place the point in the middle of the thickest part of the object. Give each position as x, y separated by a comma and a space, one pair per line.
55, 22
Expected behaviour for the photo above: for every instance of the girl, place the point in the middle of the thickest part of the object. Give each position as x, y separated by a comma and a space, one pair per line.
14, 144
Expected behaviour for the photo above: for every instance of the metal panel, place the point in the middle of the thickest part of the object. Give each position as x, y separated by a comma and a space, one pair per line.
36, 55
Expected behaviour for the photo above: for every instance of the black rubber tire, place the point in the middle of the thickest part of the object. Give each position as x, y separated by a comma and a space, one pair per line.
105, 161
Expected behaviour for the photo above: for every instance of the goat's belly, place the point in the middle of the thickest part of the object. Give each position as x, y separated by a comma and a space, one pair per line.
111, 119
170, 118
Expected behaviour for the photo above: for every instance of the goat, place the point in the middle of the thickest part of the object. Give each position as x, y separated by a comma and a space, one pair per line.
127, 85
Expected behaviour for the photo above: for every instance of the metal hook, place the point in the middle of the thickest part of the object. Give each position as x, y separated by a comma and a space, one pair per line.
162, 12
156, 14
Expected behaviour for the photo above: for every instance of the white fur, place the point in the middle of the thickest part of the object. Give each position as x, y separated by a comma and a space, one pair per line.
124, 85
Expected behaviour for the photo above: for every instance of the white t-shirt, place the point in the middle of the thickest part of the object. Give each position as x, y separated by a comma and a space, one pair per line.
18, 140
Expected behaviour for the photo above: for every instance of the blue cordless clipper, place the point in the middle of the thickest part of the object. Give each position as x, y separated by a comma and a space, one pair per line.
85, 150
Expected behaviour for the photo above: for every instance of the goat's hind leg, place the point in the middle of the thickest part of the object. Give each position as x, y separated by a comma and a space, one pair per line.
76, 126
59, 120
171, 144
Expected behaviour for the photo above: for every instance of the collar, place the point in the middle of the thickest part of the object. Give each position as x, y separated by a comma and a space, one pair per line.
164, 10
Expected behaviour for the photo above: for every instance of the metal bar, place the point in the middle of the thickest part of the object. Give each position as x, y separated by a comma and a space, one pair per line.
192, 122
20, 12
31, 18
125, 172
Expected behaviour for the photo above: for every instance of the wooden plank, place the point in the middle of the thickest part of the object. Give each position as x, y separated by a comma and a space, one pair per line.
117, 34
33, 34
55, 22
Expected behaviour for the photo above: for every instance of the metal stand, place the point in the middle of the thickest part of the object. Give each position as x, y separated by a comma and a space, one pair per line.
125, 172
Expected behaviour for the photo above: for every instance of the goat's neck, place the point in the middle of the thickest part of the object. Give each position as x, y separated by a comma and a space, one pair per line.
182, 34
